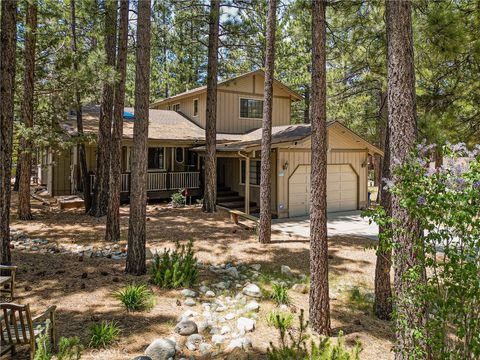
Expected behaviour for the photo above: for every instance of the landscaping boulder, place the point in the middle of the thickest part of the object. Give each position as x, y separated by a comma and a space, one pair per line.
252, 290
218, 339
161, 349
189, 301
186, 327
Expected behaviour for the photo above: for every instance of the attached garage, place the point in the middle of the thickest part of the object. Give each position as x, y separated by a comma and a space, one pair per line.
342, 190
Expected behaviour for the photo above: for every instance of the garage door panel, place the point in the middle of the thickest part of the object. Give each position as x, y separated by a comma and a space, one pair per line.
342, 189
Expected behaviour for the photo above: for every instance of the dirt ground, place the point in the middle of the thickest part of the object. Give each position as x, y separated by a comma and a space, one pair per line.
82, 290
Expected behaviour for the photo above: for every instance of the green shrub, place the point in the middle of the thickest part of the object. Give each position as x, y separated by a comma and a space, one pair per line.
293, 346
135, 297
178, 199
69, 348
280, 319
174, 269
103, 334
280, 294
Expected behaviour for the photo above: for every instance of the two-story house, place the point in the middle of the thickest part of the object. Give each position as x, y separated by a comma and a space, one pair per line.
176, 145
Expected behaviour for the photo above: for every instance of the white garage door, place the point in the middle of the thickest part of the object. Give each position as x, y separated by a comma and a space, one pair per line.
341, 190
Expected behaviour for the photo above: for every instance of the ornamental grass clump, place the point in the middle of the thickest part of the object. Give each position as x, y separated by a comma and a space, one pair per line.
279, 294
444, 285
135, 297
103, 334
175, 268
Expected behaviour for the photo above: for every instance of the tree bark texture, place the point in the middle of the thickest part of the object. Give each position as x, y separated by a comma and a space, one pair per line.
319, 302
210, 186
7, 89
82, 155
403, 135
138, 196
24, 209
102, 174
383, 291
265, 224
113, 215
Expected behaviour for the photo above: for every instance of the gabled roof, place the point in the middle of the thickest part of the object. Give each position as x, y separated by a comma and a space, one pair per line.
286, 134
295, 96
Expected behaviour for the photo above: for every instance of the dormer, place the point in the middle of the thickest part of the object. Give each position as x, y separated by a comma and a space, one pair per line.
239, 103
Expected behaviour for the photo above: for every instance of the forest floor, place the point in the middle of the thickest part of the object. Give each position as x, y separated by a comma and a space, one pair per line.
82, 287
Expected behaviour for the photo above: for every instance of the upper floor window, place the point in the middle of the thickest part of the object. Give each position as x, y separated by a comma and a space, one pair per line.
195, 107
251, 108
156, 158
176, 107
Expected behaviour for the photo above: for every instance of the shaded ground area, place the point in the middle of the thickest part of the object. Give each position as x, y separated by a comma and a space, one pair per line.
82, 289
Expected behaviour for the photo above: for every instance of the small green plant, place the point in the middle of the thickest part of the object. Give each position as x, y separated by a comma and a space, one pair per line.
280, 319
199, 202
103, 334
69, 348
135, 297
178, 199
174, 269
279, 294
294, 347
44, 349
359, 300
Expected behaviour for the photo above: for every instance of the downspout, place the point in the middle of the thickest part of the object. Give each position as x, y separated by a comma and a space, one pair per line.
247, 181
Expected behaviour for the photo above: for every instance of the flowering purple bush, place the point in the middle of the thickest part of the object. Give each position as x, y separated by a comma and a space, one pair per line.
446, 203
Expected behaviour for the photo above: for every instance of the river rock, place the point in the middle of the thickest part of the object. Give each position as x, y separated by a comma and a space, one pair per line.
188, 293
189, 301
161, 349
252, 290
285, 270
240, 343
245, 324
186, 327
252, 306
300, 288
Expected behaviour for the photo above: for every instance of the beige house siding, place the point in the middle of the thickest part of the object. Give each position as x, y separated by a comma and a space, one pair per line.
228, 105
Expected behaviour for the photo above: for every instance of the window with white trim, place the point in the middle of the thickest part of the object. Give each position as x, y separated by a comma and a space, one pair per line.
251, 108
255, 166
195, 107
176, 107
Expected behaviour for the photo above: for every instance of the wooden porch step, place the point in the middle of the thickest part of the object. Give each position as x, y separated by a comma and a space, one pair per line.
223, 188
226, 193
235, 204
230, 198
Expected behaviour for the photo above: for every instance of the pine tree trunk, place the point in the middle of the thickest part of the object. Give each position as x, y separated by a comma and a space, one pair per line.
102, 176
383, 291
210, 188
82, 155
18, 172
319, 302
138, 196
7, 89
403, 135
113, 215
265, 225
24, 209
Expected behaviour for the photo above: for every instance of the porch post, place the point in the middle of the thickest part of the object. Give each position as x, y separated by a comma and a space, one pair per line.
247, 184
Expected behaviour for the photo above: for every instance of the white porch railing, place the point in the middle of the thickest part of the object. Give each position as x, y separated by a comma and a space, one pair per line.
181, 180
158, 181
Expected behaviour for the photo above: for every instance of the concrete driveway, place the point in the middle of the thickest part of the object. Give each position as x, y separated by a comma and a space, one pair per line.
341, 223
